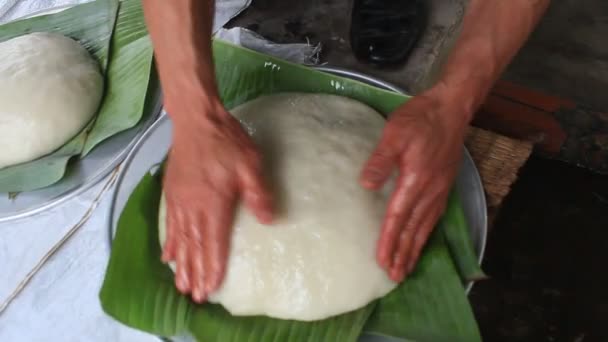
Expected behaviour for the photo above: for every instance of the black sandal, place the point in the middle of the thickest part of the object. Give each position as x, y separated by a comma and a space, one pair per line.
384, 32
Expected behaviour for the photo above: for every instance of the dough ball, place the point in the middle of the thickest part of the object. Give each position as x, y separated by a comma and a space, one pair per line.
50, 88
318, 258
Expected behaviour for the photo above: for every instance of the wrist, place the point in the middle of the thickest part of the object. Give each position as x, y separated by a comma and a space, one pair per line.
196, 111
470, 72
205, 116
454, 104
185, 83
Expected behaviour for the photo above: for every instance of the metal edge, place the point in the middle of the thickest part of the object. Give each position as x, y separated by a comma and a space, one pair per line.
128, 160
370, 80
484, 236
479, 184
97, 177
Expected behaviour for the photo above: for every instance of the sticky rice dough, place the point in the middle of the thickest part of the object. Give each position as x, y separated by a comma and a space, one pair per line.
50, 88
318, 259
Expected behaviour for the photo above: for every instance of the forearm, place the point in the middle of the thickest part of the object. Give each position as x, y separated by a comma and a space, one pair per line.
492, 33
180, 31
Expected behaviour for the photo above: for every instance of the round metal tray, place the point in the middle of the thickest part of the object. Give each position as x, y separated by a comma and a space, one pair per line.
153, 146
82, 173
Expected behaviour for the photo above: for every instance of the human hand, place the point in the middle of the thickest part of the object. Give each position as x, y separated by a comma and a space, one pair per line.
424, 140
212, 164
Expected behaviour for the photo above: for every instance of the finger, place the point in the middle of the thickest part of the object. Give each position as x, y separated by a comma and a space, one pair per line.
197, 257
399, 207
217, 241
422, 236
182, 272
411, 225
256, 195
380, 165
173, 222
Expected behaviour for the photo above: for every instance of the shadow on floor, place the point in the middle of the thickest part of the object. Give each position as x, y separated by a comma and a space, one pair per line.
567, 54
547, 257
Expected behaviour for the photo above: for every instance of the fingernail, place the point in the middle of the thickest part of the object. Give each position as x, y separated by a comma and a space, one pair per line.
182, 285
165, 257
410, 267
197, 295
210, 286
185, 282
266, 217
396, 275
382, 262
370, 177
385, 261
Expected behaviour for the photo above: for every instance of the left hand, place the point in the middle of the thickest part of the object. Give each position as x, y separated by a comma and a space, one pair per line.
424, 139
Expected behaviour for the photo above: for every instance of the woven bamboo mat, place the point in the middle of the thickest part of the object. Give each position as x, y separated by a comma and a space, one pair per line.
498, 159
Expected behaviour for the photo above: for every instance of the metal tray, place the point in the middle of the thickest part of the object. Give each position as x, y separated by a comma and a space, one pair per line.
153, 146
82, 173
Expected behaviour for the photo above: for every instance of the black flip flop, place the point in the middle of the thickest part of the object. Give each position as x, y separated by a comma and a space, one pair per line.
384, 32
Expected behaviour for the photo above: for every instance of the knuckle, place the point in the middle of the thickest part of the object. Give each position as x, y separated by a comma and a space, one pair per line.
399, 261
383, 155
411, 179
195, 237
420, 239
392, 222
410, 226
415, 219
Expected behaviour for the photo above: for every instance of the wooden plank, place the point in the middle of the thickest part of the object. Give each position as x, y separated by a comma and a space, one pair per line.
521, 121
531, 97
560, 128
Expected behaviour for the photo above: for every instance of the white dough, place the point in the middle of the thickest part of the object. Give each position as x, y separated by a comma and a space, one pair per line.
50, 88
318, 259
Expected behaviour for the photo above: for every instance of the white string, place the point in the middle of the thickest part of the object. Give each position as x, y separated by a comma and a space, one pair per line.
60, 243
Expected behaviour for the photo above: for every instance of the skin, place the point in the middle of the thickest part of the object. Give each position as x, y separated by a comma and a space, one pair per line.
213, 164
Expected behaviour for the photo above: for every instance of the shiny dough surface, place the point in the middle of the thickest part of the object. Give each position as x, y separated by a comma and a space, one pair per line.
317, 259
50, 88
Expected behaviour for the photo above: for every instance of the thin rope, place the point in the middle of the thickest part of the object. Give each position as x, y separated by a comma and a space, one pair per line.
61, 242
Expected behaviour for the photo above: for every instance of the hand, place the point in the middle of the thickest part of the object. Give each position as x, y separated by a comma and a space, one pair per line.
212, 164
424, 139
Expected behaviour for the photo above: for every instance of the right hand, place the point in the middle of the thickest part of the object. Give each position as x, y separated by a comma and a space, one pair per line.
212, 164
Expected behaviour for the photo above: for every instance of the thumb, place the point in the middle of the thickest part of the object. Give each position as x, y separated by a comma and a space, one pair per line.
379, 166
255, 193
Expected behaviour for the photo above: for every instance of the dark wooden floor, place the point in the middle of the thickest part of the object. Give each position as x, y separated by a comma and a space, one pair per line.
567, 55
548, 259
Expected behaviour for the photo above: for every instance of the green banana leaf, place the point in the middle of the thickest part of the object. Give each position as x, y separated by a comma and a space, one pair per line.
131, 64
243, 74
91, 24
213, 323
455, 229
431, 305
143, 296
42, 171
115, 33
138, 288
